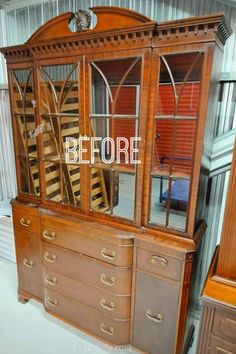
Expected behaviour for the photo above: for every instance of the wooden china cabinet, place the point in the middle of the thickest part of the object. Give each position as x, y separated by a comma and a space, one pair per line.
108, 245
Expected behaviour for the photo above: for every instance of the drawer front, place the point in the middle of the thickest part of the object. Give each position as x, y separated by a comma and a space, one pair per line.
117, 255
219, 346
26, 219
224, 325
156, 263
155, 314
113, 279
114, 306
28, 262
111, 330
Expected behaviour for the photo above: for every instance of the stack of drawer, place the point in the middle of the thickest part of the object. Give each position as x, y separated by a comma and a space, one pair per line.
87, 275
159, 274
27, 242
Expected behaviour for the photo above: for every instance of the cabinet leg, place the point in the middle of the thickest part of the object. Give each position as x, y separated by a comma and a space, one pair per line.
22, 299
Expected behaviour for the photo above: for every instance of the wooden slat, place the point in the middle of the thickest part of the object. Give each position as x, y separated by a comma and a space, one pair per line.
96, 191
53, 187
97, 202
70, 131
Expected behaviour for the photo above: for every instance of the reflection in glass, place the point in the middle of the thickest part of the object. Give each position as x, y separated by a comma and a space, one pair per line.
174, 138
124, 196
23, 104
100, 189
59, 94
114, 113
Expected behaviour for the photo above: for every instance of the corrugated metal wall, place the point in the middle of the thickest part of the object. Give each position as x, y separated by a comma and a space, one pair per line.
22, 22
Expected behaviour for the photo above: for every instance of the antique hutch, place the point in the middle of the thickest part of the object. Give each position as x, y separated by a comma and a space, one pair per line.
109, 246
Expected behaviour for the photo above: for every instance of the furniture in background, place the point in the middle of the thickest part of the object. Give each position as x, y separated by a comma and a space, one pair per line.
93, 241
218, 319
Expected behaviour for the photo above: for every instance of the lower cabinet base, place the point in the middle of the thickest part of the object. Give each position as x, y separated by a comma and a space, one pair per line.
24, 297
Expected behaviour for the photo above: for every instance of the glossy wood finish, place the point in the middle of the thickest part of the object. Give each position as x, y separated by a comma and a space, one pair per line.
117, 280
155, 317
159, 264
27, 243
226, 266
218, 317
115, 331
123, 279
112, 305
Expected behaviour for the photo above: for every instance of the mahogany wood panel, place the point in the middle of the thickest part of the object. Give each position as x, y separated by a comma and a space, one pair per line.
110, 304
117, 255
219, 346
28, 262
224, 325
116, 280
154, 331
26, 218
218, 318
80, 255
226, 266
115, 331
157, 263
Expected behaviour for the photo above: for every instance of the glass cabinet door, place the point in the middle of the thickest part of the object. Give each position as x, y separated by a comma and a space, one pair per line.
60, 117
114, 121
23, 103
175, 124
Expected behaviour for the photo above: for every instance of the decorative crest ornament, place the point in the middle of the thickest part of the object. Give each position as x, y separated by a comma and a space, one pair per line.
82, 20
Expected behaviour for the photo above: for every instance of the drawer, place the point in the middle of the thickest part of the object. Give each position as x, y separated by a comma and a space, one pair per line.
114, 306
28, 262
156, 263
115, 280
115, 331
155, 314
220, 346
114, 254
224, 325
26, 218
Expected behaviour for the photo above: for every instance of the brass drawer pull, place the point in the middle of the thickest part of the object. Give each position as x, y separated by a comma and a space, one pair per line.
109, 307
107, 281
154, 259
105, 254
25, 223
157, 319
48, 236
51, 281
104, 329
53, 302
49, 258
28, 264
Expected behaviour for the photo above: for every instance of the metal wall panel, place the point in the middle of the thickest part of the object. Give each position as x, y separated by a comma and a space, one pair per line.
27, 19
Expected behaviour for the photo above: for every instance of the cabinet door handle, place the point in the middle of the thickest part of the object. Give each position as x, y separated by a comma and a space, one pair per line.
150, 316
53, 302
50, 259
48, 236
154, 259
51, 281
109, 307
106, 255
104, 329
28, 264
25, 223
107, 281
